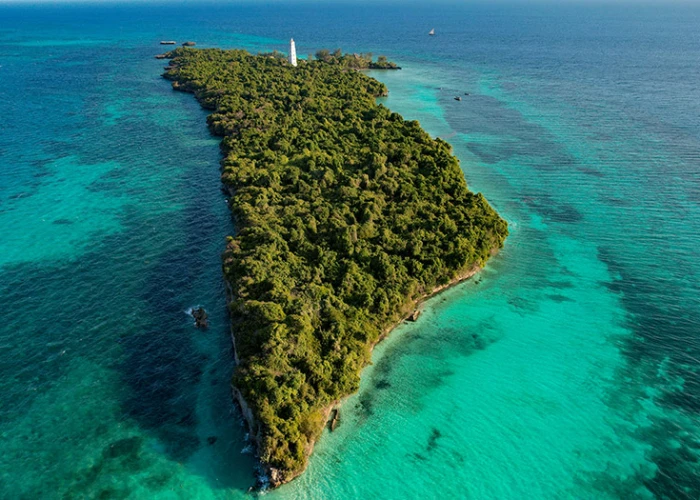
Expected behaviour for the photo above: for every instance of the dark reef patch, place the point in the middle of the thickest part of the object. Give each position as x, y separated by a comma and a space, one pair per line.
663, 350
524, 305
457, 457
124, 447
115, 173
364, 405
551, 209
42, 173
17, 196
615, 202
486, 153
435, 434
591, 171
561, 285
558, 160
417, 457
562, 212
156, 481
382, 384
559, 298
528, 143
122, 456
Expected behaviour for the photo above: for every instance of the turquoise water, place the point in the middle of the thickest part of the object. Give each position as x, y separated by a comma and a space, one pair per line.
567, 369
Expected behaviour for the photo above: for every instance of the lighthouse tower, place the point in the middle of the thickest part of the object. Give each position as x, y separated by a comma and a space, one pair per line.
292, 53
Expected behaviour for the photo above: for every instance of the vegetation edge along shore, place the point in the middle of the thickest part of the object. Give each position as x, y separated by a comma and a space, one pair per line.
347, 217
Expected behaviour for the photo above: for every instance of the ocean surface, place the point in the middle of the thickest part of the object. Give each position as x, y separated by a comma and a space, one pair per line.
569, 368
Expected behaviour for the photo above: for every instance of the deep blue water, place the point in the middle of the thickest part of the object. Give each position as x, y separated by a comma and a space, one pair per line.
570, 371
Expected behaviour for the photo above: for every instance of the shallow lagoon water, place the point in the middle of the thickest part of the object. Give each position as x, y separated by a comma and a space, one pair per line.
568, 371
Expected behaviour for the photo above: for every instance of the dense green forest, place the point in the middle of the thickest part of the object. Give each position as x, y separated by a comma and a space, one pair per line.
346, 215
354, 61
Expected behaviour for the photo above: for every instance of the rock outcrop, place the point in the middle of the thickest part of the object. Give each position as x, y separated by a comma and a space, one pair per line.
200, 317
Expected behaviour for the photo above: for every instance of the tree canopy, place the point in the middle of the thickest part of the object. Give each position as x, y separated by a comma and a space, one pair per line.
346, 214
354, 61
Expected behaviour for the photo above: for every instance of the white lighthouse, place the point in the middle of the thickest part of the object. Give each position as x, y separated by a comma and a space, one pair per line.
292, 53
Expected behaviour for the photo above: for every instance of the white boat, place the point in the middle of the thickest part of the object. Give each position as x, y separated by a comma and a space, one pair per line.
431, 32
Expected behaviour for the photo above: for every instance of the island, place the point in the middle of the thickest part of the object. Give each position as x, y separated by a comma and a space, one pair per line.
347, 217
